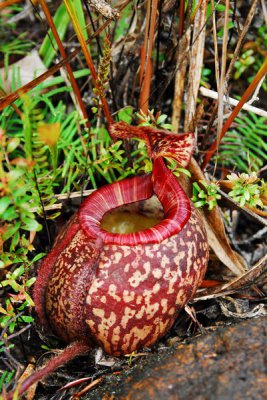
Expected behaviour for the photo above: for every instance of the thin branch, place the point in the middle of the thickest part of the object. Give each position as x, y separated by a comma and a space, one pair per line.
221, 88
73, 16
262, 72
9, 99
63, 53
239, 44
8, 3
181, 17
196, 62
146, 55
255, 94
216, 54
233, 102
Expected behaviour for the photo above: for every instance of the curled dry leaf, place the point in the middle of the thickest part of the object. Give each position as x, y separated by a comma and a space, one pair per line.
217, 238
258, 311
261, 213
104, 9
28, 68
243, 281
29, 395
247, 278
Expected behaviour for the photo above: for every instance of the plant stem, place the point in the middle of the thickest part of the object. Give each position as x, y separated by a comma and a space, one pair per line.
260, 74
64, 56
87, 55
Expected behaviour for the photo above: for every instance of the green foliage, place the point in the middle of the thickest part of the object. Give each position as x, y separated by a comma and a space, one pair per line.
207, 195
247, 189
49, 47
245, 147
6, 376
156, 121
18, 46
220, 8
252, 57
205, 75
18, 227
18, 197
246, 60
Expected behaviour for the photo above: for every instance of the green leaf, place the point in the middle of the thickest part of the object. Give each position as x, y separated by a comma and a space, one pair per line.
49, 47
18, 272
126, 114
4, 203
12, 144
31, 225
26, 318
30, 282
14, 241
10, 214
161, 119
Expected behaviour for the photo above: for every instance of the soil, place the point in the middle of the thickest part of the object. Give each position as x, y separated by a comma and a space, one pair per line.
229, 363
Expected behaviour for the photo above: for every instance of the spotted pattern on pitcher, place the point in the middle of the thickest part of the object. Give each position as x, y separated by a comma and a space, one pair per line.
137, 292
125, 291
72, 273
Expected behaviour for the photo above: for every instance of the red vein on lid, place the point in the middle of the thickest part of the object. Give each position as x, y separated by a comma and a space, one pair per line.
160, 143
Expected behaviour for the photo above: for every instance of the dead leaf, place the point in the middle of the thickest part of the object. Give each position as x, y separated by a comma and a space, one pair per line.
214, 225
243, 281
29, 395
247, 278
258, 311
24, 71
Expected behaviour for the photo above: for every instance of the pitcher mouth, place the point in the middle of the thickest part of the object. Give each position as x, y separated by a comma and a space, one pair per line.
160, 182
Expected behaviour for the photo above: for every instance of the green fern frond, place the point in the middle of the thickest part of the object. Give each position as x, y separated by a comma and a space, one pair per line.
245, 147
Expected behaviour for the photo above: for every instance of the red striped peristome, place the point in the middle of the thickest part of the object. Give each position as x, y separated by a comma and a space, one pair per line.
124, 291
176, 206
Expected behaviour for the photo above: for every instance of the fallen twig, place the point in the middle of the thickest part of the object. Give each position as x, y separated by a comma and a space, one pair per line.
245, 280
233, 102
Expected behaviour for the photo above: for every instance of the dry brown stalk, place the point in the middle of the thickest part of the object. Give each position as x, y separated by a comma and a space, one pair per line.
181, 68
87, 55
244, 31
7, 3
10, 98
64, 56
239, 44
222, 88
181, 17
146, 68
216, 53
195, 68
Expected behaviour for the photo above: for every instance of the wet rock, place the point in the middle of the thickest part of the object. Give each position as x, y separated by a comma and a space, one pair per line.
229, 363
